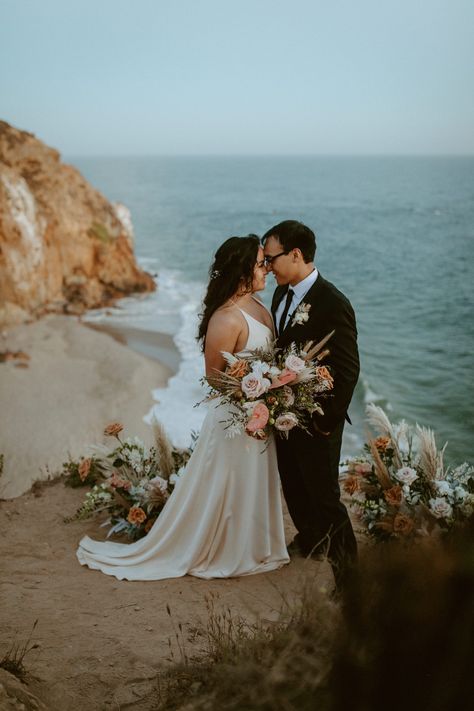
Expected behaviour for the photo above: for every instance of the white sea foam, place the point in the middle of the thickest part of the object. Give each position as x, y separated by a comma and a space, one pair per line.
158, 311
369, 395
172, 309
175, 404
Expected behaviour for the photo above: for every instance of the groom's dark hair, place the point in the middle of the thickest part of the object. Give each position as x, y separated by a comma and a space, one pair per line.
293, 234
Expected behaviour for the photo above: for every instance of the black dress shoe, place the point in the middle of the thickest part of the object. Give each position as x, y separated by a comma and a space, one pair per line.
295, 551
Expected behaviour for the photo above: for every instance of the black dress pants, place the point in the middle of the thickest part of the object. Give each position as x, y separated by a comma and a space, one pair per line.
309, 471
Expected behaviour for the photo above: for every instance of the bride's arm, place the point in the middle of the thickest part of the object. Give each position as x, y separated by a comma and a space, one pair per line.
223, 333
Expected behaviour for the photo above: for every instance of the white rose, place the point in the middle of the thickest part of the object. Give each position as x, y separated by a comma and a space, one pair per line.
460, 493
134, 458
440, 508
301, 314
286, 422
406, 475
295, 363
253, 385
443, 488
174, 478
159, 483
259, 367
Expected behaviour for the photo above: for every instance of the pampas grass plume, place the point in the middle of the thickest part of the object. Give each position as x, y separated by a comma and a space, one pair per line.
164, 449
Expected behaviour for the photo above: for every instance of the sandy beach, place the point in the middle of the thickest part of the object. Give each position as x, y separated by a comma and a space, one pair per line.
101, 641
71, 381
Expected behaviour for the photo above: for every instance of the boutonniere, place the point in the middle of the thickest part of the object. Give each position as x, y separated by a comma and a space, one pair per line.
301, 315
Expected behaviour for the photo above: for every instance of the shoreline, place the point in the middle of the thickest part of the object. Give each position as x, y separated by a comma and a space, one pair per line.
156, 345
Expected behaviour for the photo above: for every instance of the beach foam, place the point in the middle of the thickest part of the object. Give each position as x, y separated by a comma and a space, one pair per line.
173, 309
176, 404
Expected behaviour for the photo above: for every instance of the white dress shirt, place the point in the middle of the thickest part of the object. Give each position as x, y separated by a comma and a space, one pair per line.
299, 292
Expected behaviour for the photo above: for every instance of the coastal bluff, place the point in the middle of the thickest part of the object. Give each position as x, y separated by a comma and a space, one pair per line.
64, 248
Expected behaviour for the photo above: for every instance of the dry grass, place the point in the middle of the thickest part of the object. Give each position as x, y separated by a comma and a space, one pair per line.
262, 665
12, 660
402, 638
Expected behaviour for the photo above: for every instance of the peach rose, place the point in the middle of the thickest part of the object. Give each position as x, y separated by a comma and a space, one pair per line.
393, 496
403, 524
351, 485
258, 419
286, 376
113, 429
238, 369
382, 443
136, 515
117, 482
84, 468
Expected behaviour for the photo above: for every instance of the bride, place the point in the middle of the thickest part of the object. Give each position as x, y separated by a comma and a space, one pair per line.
224, 517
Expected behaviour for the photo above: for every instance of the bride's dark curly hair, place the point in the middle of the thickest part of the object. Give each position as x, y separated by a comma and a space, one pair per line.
232, 268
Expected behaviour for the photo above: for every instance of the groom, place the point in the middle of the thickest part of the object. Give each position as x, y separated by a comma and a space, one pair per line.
309, 463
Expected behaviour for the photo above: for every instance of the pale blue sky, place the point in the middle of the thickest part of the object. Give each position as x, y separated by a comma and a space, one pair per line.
137, 77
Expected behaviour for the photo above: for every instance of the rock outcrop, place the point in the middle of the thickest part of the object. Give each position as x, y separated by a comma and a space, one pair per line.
63, 246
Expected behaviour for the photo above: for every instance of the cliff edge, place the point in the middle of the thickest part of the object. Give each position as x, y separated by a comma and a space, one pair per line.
63, 246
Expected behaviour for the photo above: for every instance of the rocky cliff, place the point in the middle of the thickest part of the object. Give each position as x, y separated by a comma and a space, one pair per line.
63, 246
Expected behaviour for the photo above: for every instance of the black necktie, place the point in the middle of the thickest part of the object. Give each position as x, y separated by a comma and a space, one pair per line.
289, 299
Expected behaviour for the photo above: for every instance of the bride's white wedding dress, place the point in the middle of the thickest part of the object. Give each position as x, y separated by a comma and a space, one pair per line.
224, 517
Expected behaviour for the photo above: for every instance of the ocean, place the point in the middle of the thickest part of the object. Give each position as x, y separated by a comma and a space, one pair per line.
395, 234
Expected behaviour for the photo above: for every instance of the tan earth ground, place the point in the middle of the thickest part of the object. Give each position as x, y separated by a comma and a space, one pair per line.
101, 642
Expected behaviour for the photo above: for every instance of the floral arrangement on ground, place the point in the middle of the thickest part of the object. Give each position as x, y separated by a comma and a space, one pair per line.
272, 389
401, 488
129, 482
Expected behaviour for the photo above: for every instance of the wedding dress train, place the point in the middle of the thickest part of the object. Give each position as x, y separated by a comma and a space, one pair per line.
224, 517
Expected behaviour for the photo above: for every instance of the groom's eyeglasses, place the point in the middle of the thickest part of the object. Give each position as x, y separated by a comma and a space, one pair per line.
268, 261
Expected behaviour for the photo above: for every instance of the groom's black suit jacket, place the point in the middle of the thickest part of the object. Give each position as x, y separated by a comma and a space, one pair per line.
330, 310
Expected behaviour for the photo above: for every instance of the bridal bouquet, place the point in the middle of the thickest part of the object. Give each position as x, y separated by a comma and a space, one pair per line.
272, 389
129, 482
401, 488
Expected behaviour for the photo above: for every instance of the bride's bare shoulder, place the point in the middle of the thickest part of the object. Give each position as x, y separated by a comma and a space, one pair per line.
226, 317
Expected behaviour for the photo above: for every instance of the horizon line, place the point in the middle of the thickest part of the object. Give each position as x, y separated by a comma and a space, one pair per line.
267, 155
